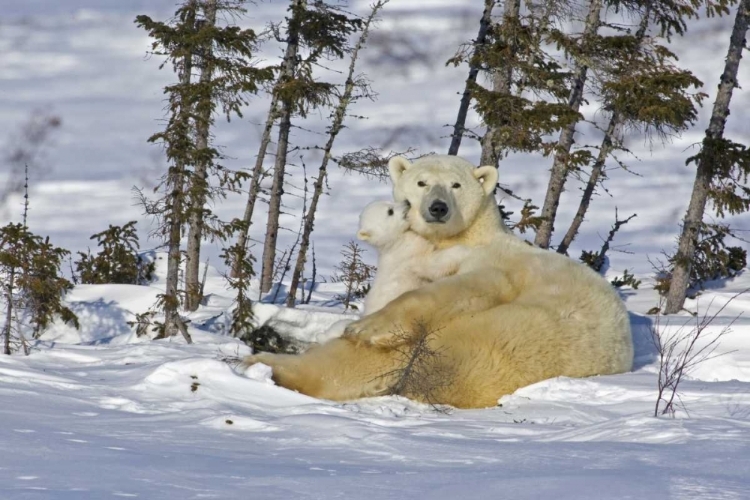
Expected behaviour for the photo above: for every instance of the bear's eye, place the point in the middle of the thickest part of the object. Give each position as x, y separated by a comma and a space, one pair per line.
390, 211
456, 185
421, 184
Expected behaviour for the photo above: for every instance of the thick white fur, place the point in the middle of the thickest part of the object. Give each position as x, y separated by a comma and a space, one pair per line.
406, 261
521, 316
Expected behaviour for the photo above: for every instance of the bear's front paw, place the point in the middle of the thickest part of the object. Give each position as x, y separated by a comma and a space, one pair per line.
260, 357
369, 331
353, 335
362, 328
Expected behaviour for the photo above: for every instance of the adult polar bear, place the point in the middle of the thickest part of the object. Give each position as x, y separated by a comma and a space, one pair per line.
519, 315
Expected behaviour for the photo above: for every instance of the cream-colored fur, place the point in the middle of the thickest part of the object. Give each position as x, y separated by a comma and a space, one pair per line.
522, 316
406, 261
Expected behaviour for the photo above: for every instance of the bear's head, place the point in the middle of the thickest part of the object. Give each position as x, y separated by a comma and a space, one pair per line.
446, 193
382, 223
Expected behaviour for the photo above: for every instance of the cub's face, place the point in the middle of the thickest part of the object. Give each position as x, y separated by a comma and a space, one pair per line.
382, 223
446, 193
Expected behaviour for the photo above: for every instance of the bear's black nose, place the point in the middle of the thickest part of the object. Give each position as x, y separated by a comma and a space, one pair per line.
439, 209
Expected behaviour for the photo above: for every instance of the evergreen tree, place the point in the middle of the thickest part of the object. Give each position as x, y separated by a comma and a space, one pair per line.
344, 99
477, 47
242, 315
666, 105
641, 89
200, 184
354, 273
223, 54
526, 101
33, 287
722, 169
322, 31
580, 48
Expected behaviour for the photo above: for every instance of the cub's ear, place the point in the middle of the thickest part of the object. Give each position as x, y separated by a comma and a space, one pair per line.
363, 235
397, 166
487, 176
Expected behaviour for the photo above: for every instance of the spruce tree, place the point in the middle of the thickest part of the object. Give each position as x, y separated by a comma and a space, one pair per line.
189, 41
200, 183
477, 47
345, 98
33, 285
579, 48
118, 260
722, 169
528, 87
640, 88
590, 55
320, 31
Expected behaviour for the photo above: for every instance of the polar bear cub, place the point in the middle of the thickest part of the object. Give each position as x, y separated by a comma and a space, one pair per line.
406, 261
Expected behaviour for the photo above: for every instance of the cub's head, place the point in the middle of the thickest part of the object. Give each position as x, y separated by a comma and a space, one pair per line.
446, 193
382, 223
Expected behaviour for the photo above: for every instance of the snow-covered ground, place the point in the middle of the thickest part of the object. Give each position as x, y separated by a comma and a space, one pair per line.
100, 413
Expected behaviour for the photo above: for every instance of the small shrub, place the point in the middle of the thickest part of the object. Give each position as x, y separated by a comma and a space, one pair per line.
627, 279
118, 260
354, 273
33, 287
680, 352
421, 373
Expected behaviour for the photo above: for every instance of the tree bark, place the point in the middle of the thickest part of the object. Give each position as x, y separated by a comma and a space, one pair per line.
336, 126
683, 260
279, 169
598, 167
254, 190
588, 192
9, 311
502, 81
463, 108
199, 179
560, 164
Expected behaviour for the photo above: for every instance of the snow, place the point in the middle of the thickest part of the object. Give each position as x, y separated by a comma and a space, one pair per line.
101, 413
107, 414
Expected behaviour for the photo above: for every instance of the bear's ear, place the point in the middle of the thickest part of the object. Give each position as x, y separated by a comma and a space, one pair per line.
363, 235
397, 166
487, 176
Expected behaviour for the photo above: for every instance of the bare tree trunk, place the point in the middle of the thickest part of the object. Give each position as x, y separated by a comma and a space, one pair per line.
312, 278
171, 295
336, 126
560, 164
588, 192
463, 108
257, 176
683, 260
274, 203
502, 80
279, 169
199, 179
9, 312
